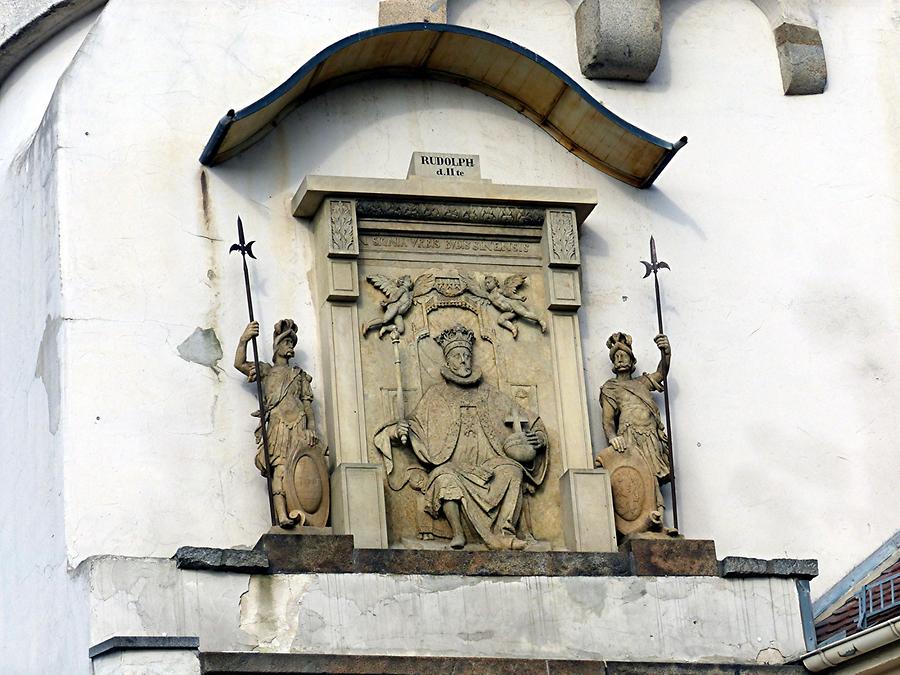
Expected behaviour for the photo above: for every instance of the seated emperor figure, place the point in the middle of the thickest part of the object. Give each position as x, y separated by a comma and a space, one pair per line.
467, 455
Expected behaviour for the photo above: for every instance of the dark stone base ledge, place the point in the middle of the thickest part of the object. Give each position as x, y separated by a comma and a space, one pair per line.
336, 554
277, 553
734, 566
125, 642
228, 663
221, 559
673, 557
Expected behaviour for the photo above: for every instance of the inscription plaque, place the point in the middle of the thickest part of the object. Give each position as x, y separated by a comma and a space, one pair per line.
445, 165
447, 245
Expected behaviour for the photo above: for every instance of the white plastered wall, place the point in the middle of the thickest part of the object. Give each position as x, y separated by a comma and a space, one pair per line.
43, 609
779, 220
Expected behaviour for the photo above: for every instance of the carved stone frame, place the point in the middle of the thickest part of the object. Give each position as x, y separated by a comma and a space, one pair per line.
334, 206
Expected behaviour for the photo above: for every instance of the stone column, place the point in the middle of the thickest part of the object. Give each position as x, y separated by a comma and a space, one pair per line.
357, 492
588, 522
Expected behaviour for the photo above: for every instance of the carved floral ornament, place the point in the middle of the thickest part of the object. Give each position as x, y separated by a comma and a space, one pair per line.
343, 238
563, 235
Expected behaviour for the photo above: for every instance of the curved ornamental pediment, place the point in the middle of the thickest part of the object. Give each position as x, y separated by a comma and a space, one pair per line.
499, 68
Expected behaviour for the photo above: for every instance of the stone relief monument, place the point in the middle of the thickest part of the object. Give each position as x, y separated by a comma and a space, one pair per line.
462, 420
299, 479
637, 456
469, 449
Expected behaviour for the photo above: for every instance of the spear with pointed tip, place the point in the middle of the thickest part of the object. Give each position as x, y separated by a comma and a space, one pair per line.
652, 267
245, 248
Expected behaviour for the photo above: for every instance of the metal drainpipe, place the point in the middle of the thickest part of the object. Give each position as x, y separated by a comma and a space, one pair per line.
849, 648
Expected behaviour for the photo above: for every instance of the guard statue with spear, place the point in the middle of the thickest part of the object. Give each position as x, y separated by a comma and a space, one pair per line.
639, 456
289, 454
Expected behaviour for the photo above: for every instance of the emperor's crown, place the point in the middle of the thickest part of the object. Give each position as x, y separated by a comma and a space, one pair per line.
455, 336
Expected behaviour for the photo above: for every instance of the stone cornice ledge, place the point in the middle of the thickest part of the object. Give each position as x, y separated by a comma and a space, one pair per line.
122, 642
27, 24
335, 554
222, 663
314, 189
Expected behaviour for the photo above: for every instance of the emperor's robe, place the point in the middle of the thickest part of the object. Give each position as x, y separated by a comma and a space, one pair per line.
455, 453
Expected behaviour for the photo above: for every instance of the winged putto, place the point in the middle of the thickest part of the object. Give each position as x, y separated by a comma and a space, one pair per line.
399, 294
505, 297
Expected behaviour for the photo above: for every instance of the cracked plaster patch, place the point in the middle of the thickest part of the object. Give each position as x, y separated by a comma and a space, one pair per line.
770, 657
203, 347
47, 369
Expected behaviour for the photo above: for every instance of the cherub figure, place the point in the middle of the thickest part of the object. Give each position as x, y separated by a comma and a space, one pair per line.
399, 294
506, 298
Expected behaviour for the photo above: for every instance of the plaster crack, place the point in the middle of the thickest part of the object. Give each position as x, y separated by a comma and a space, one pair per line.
203, 236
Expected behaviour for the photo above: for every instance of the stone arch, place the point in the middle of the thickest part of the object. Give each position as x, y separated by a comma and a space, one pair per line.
800, 51
25, 26
622, 40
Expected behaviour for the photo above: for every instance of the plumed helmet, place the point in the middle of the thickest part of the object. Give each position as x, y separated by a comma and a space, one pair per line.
285, 329
620, 341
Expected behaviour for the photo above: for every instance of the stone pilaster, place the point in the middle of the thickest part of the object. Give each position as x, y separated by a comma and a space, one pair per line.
357, 495
585, 494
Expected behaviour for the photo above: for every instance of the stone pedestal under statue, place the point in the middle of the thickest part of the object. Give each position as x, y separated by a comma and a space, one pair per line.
317, 604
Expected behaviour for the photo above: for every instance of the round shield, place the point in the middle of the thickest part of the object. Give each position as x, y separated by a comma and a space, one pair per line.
307, 486
633, 487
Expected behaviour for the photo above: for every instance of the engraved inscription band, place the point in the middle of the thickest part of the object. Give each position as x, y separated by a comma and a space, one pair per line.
450, 212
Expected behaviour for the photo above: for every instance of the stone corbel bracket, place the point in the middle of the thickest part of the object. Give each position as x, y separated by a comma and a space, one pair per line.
410, 11
800, 51
622, 39
618, 39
